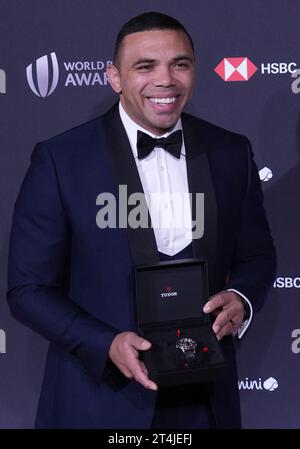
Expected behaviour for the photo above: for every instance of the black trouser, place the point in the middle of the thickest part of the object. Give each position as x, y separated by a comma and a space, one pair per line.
183, 407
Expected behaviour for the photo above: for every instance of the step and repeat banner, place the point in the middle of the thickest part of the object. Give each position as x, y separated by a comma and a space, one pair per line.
53, 56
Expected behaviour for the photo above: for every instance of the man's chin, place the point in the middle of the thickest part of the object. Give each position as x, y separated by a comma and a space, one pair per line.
163, 126
160, 130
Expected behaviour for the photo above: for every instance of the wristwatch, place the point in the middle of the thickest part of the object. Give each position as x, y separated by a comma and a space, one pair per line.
188, 347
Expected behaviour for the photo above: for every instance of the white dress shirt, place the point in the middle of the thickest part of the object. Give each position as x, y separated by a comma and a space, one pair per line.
165, 184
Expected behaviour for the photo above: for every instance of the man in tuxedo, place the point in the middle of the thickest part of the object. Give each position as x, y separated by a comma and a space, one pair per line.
72, 282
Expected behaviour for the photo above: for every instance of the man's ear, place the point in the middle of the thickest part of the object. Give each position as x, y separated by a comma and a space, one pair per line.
113, 77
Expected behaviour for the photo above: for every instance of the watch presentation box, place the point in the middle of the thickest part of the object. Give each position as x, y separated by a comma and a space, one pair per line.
170, 297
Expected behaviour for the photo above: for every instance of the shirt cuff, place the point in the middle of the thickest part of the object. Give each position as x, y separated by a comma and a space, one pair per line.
245, 324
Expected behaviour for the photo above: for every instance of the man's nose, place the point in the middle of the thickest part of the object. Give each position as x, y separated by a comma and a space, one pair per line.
163, 77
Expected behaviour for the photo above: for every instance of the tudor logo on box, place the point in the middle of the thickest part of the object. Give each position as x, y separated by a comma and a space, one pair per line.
236, 69
168, 292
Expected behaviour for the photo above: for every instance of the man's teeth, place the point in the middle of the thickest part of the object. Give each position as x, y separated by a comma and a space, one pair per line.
163, 100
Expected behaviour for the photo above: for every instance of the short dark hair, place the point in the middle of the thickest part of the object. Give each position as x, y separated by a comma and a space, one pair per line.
147, 22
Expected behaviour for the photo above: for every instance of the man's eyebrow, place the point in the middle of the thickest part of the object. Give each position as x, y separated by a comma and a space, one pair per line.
143, 61
183, 58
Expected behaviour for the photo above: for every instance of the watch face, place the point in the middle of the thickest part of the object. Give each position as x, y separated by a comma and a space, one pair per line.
186, 344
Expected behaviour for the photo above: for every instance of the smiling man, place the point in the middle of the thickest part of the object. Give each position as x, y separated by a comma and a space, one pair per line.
154, 73
72, 282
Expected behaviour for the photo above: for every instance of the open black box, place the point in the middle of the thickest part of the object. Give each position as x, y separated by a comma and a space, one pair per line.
170, 297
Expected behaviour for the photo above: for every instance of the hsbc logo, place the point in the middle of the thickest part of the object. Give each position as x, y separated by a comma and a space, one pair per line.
275, 68
287, 282
168, 292
236, 69
242, 68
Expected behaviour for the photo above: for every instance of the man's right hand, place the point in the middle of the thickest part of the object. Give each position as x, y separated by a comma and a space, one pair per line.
124, 353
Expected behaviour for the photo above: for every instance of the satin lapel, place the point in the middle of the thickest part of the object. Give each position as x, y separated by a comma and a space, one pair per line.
142, 240
200, 181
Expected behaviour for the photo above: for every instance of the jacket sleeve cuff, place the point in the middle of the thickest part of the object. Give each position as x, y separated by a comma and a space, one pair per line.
92, 347
246, 323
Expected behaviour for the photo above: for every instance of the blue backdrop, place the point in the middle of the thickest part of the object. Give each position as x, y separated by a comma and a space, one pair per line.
52, 77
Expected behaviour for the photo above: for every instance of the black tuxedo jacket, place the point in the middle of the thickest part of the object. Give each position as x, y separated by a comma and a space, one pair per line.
72, 282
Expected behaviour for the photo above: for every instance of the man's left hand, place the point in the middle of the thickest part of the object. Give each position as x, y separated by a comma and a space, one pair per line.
229, 311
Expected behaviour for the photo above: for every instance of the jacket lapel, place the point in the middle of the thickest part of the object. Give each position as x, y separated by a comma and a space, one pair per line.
142, 240
200, 181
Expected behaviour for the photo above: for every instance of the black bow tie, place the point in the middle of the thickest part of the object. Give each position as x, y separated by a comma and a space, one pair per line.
146, 143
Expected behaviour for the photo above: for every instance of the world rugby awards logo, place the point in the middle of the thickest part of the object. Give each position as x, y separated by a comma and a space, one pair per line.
43, 76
